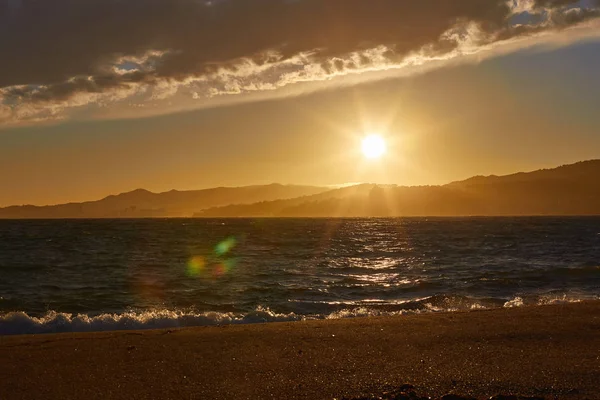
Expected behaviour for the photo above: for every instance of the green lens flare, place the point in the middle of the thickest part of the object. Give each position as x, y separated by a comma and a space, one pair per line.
199, 266
225, 246
229, 264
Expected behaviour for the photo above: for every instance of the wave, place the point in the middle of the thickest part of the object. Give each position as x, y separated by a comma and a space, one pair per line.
14, 323
19, 322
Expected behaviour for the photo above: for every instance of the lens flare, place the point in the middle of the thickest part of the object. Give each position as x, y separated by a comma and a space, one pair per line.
196, 266
218, 271
225, 246
148, 290
217, 264
229, 264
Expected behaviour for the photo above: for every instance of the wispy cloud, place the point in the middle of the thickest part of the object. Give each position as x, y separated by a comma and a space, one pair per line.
61, 55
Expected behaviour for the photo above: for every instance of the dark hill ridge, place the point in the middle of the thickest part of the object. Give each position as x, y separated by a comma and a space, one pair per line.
566, 190
581, 170
142, 203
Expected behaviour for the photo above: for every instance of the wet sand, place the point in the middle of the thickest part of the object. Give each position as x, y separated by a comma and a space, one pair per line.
546, 351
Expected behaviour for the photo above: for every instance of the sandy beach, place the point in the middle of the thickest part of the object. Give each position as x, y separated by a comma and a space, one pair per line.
545, 351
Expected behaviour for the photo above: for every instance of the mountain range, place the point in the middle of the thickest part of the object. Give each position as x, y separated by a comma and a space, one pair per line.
141, 203
567, 190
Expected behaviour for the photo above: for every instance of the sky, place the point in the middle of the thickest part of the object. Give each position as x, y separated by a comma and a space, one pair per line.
100, 97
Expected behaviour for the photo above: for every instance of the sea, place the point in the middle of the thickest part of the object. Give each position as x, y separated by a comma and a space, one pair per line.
99, 275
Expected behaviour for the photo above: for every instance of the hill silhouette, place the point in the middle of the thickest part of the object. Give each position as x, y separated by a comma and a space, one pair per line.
141, 203
567, 190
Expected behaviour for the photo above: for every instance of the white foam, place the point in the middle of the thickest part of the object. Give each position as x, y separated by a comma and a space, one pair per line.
516, 302
14, 323
54, 322
557, 299
548, 299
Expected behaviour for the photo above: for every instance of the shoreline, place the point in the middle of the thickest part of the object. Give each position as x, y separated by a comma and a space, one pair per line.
53, 322
549, 351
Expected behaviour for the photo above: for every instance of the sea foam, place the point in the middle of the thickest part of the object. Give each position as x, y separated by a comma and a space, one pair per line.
56, 322
16, 323
19, 322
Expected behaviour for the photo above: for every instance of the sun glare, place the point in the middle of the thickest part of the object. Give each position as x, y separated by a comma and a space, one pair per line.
373, 146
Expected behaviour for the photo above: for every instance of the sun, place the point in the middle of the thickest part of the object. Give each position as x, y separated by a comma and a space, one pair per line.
373, 146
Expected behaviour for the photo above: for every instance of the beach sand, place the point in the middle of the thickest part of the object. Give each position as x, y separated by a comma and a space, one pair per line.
546, 351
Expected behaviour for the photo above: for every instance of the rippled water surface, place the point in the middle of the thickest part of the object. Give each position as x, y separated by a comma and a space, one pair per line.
119, 274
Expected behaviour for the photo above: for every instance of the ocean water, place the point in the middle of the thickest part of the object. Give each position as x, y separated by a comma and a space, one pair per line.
93, 275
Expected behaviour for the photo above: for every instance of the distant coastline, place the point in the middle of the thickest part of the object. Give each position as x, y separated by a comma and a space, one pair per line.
569, 190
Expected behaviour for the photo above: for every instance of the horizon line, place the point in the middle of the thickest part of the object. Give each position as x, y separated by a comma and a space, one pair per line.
330, 186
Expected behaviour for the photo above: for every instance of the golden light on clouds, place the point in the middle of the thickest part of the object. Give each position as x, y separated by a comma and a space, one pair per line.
176, 61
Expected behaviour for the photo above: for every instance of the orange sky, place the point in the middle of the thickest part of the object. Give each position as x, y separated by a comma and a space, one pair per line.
496, 117
522, 108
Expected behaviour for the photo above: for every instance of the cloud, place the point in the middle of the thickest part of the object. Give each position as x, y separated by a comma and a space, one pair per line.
61, 54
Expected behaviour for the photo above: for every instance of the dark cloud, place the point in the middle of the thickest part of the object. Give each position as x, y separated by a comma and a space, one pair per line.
49, 41
62, 91
58, 48
554, 3
563, 14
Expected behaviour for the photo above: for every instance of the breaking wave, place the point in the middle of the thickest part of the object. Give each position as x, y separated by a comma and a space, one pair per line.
56, 322
19, 322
